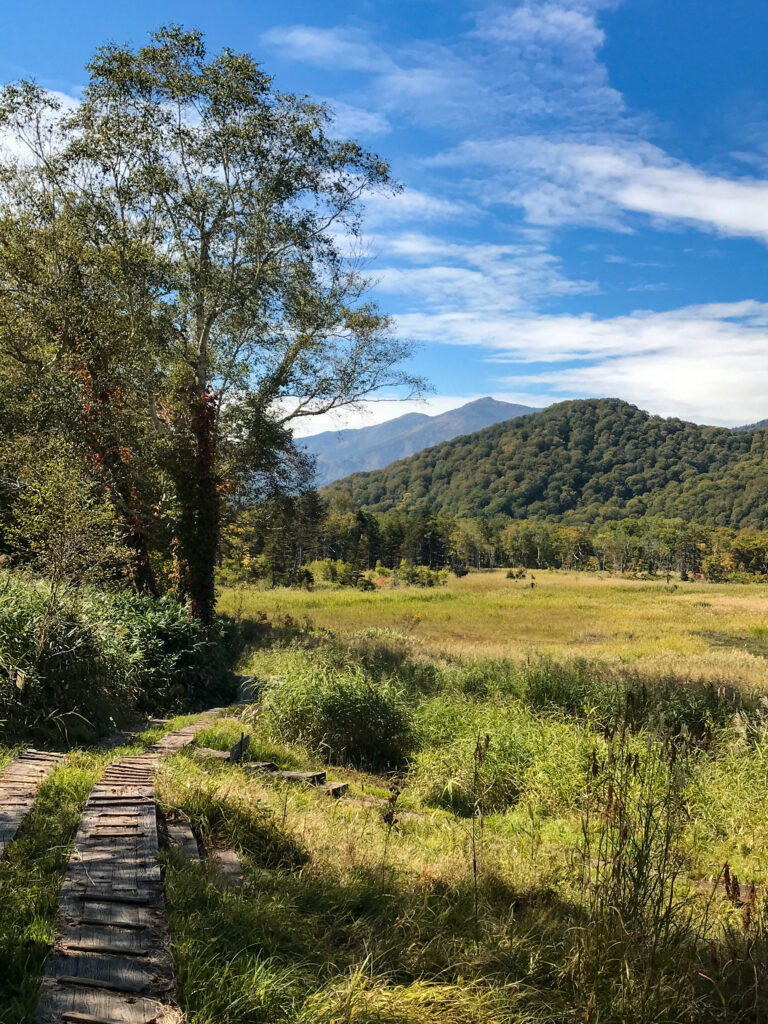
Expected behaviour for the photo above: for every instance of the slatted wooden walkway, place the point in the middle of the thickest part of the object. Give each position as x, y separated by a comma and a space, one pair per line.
110, 964
19, 783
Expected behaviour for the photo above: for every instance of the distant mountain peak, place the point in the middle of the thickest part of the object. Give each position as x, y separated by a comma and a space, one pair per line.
339, 453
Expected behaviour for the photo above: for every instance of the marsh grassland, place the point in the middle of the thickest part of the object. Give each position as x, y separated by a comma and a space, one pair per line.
694, 629
557, 811
558, 808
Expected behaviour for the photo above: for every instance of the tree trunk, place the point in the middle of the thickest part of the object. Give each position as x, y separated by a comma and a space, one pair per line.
199, 524
141, 568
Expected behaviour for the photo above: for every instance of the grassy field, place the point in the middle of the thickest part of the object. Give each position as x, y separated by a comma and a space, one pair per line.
696, 630
553, 814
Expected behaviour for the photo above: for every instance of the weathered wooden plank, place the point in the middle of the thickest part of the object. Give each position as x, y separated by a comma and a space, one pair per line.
228, 866
77, 1004
106, 938
182, 838
137, 974
335, 789
19, 783
76, 910
216, 755
240, 749
111, 964
311, 778
261, 766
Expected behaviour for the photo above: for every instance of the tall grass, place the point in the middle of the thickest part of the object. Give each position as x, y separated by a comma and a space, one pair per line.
98, 658
347, 717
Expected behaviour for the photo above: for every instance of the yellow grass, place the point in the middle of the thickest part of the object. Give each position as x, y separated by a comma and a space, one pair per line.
656, 628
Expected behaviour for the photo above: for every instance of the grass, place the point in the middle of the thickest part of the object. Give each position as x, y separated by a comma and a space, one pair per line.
603, 811
658, 628
615, 783
370, 924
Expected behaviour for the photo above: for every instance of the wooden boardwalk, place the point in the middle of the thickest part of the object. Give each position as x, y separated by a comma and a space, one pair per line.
110, 964
19, 783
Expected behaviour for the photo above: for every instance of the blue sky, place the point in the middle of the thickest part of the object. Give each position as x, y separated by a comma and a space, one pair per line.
586, 181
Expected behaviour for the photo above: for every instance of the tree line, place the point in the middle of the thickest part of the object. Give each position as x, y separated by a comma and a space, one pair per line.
281, 541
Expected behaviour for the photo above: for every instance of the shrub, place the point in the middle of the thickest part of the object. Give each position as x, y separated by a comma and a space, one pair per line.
100, 658
175, 663
343, 716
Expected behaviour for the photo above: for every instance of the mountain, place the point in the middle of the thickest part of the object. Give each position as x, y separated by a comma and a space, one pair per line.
341, 452
581, 461
760, 425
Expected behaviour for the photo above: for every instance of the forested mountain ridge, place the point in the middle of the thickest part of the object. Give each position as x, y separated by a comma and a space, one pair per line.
341, 452
582, 461
760, 425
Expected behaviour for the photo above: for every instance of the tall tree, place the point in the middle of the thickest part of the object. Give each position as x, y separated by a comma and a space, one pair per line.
215, 214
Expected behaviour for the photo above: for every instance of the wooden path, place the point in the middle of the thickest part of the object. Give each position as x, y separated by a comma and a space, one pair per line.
110, 964
19, 783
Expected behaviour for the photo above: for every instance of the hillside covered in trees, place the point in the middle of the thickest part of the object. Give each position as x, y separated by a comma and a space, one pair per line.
582, 461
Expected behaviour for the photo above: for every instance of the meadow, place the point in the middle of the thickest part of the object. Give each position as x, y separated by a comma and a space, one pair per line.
694, 629
557, 811
558, 807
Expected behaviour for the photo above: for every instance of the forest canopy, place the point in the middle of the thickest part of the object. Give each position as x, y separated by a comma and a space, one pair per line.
581, 462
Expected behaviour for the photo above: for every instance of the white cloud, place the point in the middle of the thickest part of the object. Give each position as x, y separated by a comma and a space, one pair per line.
339, 49
597, 182
513, 67
542, 24
350, 121
472, 280
708, 363
412, 204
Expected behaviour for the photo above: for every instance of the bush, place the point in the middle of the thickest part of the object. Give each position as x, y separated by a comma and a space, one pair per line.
343, 717
102, 658
174, 663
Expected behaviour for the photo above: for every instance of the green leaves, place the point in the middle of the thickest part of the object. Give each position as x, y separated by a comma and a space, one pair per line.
175, 237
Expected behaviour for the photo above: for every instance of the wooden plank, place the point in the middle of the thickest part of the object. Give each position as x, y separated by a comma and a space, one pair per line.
228, 866
78, 911
214, 755
19, 783
261, 766
75, 1004
116, 972
240, 749
110, 964
105, 939
310, 777
182, 838
335, 789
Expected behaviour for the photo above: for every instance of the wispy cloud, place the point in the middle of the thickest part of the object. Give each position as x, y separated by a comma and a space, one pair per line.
707, 362
351, 122
596, 182
345, 49
471, 280
412, 205
511, 69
